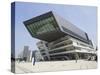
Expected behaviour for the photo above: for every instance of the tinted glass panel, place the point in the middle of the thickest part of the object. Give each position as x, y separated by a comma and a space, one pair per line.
42, 26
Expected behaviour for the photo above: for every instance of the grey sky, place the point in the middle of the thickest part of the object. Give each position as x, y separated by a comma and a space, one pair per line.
84, 17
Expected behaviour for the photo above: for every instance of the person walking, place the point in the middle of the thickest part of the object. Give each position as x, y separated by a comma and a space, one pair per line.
33, 58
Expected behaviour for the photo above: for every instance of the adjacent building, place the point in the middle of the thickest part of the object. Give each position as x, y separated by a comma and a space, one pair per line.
27, 55
60, 39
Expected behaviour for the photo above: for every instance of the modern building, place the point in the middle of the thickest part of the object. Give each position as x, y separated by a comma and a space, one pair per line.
66, 48
27, 55
43, 47
60, 39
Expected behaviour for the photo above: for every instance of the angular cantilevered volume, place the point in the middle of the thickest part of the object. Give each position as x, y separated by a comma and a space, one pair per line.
50, 27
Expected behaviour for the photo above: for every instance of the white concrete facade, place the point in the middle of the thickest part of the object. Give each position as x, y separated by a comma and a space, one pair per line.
66, 45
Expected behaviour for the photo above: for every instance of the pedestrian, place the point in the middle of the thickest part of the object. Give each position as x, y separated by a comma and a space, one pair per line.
33, 60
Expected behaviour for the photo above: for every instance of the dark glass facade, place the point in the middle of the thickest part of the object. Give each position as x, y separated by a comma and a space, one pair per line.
42, 26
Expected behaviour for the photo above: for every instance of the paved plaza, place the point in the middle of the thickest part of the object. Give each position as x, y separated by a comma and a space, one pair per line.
27, 67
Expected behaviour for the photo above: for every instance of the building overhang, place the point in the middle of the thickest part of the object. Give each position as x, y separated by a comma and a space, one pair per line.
48, 36
37, 28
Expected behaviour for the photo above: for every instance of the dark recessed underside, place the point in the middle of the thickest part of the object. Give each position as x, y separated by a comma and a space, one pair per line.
50, 36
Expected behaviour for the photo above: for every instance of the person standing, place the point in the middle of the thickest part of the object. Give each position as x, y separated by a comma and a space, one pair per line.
33, 59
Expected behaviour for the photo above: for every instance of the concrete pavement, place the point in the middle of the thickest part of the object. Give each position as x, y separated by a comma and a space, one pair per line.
27, 67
